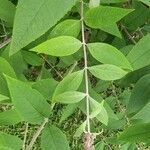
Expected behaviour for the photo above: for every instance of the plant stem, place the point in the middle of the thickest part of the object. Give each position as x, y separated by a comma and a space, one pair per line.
35, 136
25, 136
5, 43
86, 71
53, 67
128, 34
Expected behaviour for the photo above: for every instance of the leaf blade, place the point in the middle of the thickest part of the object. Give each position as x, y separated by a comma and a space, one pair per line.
31, 24
59, 46
139, 55
108, 54
33, 102
70, 97
107, 72
53, 138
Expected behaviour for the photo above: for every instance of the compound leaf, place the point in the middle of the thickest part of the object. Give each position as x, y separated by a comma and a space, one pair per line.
34, 19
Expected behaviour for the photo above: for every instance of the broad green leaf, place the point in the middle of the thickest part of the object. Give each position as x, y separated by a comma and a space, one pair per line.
3, 97
5, 68
128, 146
27, 101
59, 46
5, 148
67, 27
69, 97
147, 2
13, 60
110, 112
10, 142
53, 139
134, 76
112, 1
140, 54
143, 114
141, 12
97, 97
80, 130
97, 109
101, 86
105, 18
10, 117
46, 87
34, 19
68, 111
7, 11
107, 72
113, 29
108, 54
32, 58
94, 3
136, 133
100, 146
70, 83
140, 95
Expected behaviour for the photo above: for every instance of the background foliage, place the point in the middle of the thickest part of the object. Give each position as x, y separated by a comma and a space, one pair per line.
73, 68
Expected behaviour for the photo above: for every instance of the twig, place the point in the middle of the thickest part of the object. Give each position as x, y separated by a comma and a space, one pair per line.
128, 34
140, 31
4, 29
38, 132
52, 66
88, 137
5, 43
25, 136
85, 69
73, 67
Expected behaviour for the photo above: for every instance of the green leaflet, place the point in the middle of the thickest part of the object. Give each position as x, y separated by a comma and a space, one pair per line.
138, 17
147, 2
59, 46
68, 111
5, 68
107, 72
97, 100
80, 130
46, 87
34, 19
100, 146
7, 11
10, 142
67, 27
13, 60
70, 83
108, 54
69, 97
134, 76
94, 3
140, 95
105, 18
112, 1
98, 110
27, 101
136, 133
10, 117
143, 114
3, 97
140, 54
32, 58
53, 139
